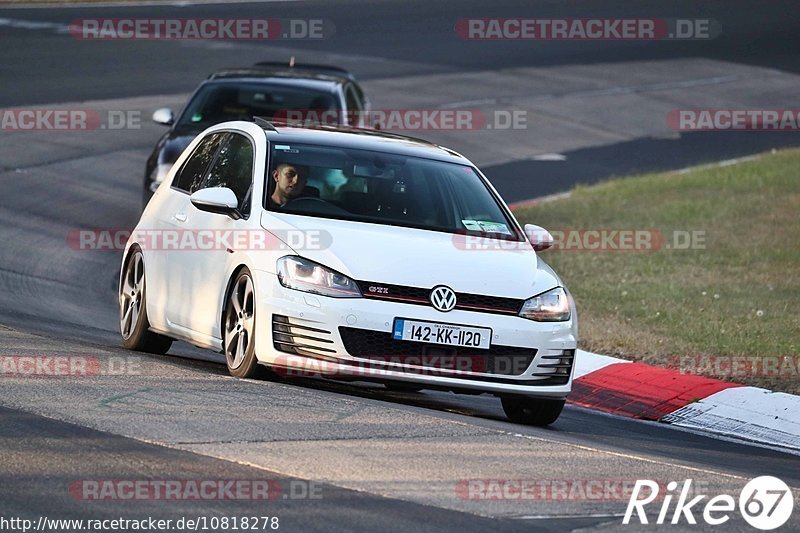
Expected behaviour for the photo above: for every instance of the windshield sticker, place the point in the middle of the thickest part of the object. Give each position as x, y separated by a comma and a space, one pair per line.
286, 148
471, 225
486, 226
197, 117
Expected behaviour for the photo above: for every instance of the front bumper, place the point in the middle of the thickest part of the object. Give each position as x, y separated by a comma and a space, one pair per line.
299, 334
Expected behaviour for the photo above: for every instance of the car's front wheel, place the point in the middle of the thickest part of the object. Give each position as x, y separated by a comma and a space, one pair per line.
532, 411
133, 323
239, 328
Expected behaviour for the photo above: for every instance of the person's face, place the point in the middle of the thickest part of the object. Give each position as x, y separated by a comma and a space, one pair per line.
289, 182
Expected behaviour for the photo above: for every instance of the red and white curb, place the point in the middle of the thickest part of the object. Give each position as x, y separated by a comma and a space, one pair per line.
694, 402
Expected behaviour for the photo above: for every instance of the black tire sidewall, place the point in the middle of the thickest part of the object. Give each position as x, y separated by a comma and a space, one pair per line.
532, 411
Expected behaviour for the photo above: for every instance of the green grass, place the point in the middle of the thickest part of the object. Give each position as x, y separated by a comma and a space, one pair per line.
739, 295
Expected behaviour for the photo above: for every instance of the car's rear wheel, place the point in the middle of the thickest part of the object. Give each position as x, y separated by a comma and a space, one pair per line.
239, 328
532, 411
133, 323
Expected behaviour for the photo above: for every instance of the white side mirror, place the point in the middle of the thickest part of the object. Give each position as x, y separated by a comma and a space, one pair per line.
219, 200
540, 238
163, 116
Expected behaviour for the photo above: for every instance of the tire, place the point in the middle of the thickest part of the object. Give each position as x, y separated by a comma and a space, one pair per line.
395, 386
133, 323
531, 411
239, 328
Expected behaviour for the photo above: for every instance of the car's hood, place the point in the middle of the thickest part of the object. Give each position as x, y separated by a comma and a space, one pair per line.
414, 257
174, 145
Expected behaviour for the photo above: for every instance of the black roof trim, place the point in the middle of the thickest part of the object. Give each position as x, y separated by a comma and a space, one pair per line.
264, 123
286, 72
343, 129
308, 67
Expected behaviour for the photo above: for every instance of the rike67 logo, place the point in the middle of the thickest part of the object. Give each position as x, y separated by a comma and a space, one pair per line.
765, 503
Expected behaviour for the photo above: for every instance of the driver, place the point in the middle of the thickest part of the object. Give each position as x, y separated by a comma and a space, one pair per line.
290, 182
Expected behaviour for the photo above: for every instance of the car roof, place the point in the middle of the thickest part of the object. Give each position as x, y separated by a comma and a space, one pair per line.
361, 139
284, 73
292, 66
330, 86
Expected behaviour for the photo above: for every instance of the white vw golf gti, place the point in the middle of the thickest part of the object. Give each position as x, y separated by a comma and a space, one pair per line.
350, 254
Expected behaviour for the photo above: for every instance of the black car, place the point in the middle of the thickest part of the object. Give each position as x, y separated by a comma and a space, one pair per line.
265, 90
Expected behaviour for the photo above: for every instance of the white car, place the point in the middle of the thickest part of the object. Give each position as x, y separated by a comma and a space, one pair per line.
350, 254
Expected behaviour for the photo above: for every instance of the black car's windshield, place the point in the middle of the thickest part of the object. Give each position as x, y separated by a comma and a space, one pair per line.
367, 186
220, 102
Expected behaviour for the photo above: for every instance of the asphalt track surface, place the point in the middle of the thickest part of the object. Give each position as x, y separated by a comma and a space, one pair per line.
385, 460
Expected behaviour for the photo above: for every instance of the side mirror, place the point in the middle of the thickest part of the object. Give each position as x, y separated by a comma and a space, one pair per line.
163, 116
220, 200
540, 238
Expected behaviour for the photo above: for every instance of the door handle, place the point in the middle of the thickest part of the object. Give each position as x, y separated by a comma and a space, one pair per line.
180, 217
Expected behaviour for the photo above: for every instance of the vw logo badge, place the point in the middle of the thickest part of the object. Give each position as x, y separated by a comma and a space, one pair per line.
443, 298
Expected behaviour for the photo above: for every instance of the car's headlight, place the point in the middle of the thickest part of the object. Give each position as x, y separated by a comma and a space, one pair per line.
550, 306
304, 275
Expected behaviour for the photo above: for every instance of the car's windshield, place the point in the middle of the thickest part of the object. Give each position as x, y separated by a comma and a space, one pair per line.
368, 186
220, 102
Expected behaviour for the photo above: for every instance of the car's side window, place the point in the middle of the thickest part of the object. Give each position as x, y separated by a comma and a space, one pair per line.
352, 100
233, 168
362, 100
354, 106
191, 176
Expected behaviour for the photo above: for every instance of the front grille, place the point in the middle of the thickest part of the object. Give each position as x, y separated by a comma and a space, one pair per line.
383, 347
490, 304
292, 336
420, 296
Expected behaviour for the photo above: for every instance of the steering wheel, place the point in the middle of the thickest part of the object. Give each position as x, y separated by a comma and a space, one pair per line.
315, 205
308, 199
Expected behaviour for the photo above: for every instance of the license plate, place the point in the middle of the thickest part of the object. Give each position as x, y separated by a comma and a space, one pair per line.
445, 334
